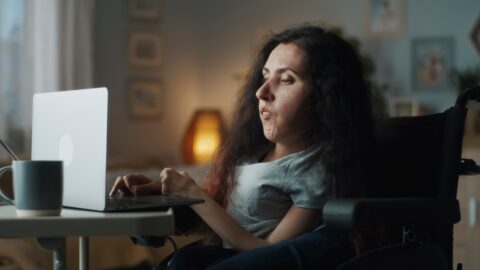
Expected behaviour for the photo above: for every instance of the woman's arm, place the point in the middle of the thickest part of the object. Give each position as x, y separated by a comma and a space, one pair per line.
296, 221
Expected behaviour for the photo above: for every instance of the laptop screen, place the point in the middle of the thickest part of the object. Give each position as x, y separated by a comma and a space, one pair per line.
72, 126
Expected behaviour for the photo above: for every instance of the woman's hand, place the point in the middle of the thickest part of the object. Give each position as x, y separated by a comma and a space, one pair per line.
171, 182
135, 184
179, 183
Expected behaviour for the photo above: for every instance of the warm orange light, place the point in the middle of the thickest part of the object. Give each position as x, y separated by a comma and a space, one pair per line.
203, 137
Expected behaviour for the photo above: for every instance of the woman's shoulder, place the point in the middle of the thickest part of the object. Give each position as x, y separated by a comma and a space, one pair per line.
299, 162
307, 179
308, 159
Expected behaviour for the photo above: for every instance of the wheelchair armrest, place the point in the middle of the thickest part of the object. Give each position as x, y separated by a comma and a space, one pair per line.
358, 213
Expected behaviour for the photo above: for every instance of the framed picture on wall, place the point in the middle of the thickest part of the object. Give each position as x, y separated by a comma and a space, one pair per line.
432, 60
144, 9
385, 18
475, 35
145, 49
145, 98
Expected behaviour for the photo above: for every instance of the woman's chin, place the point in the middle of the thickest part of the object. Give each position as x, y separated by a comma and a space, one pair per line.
270, 137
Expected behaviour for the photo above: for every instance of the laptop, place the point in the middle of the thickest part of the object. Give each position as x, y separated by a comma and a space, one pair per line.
72, 126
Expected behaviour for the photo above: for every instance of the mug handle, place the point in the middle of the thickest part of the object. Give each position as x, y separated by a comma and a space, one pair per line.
2, 195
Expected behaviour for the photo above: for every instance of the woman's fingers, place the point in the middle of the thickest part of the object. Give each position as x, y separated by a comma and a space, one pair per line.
136, 179
171, 182
177, 183
154, 187
117, 186
126, 184
184, 173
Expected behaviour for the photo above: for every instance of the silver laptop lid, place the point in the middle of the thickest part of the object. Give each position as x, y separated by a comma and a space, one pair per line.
72, 126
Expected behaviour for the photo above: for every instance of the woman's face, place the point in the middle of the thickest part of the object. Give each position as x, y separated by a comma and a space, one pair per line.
284, 94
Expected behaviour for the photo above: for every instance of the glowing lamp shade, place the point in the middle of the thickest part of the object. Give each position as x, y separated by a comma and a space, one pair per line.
203, 137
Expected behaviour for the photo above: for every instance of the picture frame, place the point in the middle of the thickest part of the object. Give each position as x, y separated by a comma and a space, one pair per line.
145, 49
432, 60
404, 106
475, 35
144, 9
146, 98
385, 18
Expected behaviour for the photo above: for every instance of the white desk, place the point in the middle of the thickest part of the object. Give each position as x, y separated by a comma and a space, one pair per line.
83, 224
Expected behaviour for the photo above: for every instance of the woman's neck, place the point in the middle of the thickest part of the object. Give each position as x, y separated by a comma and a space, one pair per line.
281, 150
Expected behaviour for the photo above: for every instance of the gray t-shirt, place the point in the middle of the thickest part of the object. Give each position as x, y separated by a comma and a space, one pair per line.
265, 191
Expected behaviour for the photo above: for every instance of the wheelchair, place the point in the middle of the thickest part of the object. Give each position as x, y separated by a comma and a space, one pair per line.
412, 194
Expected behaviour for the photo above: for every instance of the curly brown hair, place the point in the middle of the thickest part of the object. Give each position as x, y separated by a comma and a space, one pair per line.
340, 106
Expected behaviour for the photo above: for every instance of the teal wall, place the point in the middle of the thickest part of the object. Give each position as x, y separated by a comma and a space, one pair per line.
207, 43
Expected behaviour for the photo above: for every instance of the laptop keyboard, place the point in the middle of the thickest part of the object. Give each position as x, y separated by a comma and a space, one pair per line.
120, 203
157, 202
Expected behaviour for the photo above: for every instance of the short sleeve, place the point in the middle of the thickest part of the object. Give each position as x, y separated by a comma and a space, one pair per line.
307, 182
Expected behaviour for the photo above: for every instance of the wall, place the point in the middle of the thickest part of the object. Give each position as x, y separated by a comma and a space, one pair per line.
179, 75
428, 18
207, 43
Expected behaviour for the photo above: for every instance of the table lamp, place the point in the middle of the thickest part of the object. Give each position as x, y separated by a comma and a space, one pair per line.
203, 136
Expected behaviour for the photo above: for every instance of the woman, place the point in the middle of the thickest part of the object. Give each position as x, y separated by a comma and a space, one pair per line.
299, 137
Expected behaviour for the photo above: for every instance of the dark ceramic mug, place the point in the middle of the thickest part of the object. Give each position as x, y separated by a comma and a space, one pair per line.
37, 187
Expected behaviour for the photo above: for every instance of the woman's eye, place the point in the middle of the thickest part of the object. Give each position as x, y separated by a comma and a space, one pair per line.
286, 80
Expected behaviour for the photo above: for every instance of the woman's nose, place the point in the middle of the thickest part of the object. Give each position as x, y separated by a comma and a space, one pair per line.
264, 92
